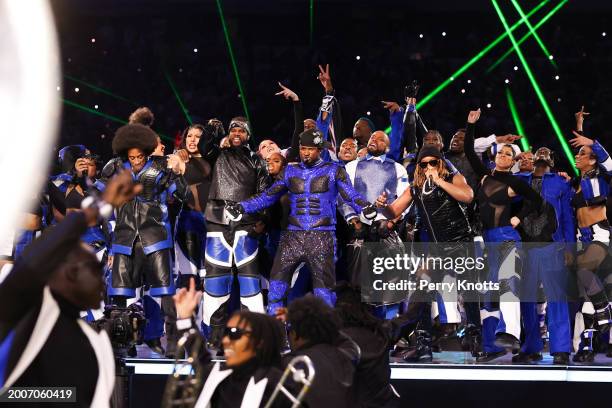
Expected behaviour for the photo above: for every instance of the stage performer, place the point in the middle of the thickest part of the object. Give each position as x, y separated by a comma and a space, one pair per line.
238, 174
594, 262
501, 317
142, 240
313, 186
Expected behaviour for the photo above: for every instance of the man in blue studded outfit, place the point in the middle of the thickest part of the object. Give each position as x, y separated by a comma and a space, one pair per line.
314, 187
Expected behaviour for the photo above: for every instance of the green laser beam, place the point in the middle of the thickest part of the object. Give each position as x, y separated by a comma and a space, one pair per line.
475, 59
311, 20
517, 120
536, 88
104, 115
534, 33
100, 90
526, 36
234, 65
178, 97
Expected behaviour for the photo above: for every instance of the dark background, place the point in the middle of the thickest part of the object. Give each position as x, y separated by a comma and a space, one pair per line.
137, 41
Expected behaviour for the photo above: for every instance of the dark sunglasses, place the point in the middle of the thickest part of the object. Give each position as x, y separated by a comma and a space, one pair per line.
234, 333
434, 163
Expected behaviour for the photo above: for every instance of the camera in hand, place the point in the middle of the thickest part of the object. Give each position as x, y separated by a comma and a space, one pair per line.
124, 325
411, 91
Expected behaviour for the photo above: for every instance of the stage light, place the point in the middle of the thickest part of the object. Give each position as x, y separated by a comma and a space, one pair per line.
536, 87
556, 77
358, 58
443, 33
452, 78
420, 35
558, 99
507, 81
469, 81
93, 40
180, 69
462, 91
476, 58
178, 97
515, 68
95, 106
517, 120
195, 50
76, 90
532, 30
550, 57
526, 36
138, 69
101, 90
368, 113
233, 60
489, 105
603, 34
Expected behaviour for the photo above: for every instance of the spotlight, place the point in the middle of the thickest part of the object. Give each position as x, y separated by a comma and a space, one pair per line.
558, 99
368, 113
93, 40
139, 70
358, 58
515, 68
489, 105
452, 78
550, 57
180, 69
556, 77
507, 81
463, 91
102, 136
95, 106
603, 34
469, 81
420, 35
443, 33
195, 50
76, 89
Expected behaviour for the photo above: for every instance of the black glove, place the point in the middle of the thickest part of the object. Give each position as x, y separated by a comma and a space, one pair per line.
357, 233
369, 212
234, 210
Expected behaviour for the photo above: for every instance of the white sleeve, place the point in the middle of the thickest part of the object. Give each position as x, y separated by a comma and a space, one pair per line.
483, 143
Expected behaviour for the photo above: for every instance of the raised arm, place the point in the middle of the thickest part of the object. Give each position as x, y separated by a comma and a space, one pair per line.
478, 166
298, 122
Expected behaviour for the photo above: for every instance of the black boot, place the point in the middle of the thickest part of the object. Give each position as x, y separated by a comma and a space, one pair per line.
527, 358
603, 317
561, 358
422, 352
586, 352
508, 341
155, 345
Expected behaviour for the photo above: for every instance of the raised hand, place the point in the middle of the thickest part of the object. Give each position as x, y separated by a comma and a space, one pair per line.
580, 118
580, 140
121, 189
325, 78
509, 138
392, 106
473, 116
287, 93
186, 301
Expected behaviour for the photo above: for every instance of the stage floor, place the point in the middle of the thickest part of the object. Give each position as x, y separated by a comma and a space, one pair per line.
447, 365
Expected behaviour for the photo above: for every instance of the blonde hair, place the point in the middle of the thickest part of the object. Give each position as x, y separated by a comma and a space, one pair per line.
419, 173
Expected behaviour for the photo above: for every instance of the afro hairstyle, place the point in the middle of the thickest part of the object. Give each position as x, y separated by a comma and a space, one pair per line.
143, 116
134, 136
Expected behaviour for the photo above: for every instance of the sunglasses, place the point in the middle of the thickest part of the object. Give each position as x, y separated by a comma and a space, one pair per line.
433, 163
234, 333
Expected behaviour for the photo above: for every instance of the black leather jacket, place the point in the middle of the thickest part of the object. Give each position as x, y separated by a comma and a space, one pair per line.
238, 175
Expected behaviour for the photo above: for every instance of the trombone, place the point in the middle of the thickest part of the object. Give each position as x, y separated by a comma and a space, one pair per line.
299, 376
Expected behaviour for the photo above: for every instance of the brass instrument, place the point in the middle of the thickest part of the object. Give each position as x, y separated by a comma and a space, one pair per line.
299, 376
184, 392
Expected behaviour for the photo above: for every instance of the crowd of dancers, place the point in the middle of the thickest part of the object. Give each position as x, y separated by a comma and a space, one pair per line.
255, 229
